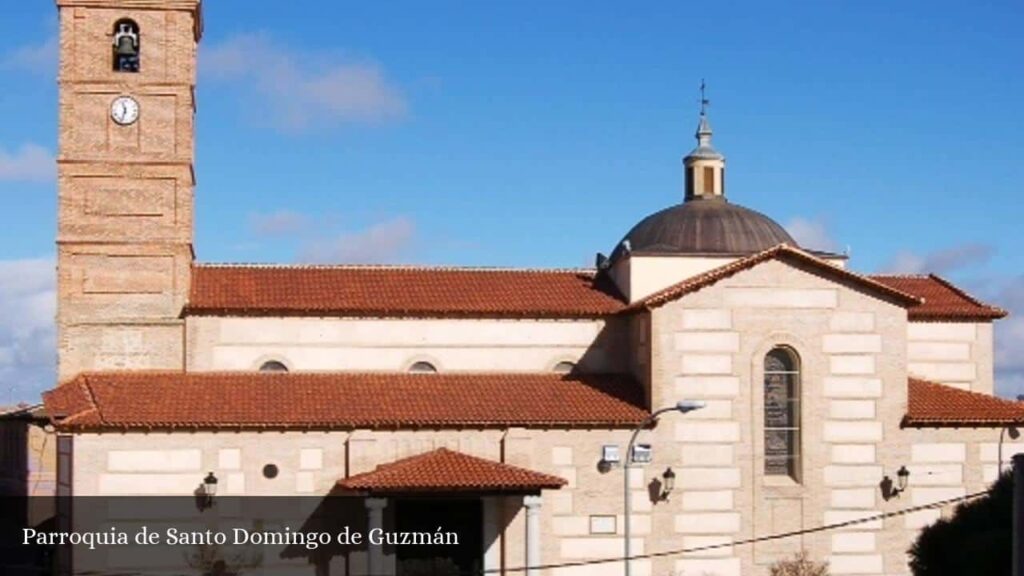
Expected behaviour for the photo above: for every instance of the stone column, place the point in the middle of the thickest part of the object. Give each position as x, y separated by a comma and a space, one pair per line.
533, 559
492, 512
375, 521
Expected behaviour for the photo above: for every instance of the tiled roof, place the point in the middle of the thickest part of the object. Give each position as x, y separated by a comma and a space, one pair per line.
942, 300
399, 292
930, 404
240, 400
782, 252
381, 291
445, 470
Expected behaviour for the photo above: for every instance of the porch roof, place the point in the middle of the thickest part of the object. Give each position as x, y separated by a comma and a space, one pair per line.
930, 404
445, 470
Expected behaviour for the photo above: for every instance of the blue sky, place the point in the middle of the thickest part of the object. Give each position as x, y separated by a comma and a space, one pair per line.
536, 133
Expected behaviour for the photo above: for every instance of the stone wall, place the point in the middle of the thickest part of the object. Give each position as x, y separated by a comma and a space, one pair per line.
355, 344
710, 506
581, 521
851, 347
957, 354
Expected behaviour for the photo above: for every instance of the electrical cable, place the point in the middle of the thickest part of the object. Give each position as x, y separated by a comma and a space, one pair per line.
754, 540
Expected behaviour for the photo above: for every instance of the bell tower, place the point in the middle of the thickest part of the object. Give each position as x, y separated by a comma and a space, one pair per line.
125, 182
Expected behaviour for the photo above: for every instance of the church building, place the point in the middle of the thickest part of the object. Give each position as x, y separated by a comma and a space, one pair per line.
792, 392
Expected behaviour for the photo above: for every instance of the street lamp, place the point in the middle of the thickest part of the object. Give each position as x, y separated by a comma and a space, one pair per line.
683, 406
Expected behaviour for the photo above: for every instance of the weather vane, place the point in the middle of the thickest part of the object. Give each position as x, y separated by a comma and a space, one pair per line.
704, 102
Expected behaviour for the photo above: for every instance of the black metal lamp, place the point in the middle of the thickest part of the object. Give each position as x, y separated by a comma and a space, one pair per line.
209, 488
668, 484
902, 478
891, 490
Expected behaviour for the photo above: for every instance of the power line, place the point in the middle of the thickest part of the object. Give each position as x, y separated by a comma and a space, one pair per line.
754, 540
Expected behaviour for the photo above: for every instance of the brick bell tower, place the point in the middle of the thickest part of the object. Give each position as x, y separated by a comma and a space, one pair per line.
125, 182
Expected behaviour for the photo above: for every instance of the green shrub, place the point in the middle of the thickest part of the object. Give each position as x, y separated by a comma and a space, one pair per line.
976, 540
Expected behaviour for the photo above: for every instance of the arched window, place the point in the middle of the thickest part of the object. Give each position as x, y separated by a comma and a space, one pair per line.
127, 46
422, 367
273, 366
782, 413
564, 367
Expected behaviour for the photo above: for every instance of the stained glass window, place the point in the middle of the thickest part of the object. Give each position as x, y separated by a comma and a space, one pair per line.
782, 413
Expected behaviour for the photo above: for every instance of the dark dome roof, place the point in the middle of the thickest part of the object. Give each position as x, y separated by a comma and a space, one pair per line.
705, 226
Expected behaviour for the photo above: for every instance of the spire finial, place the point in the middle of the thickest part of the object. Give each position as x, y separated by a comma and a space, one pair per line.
704, 102
704, 127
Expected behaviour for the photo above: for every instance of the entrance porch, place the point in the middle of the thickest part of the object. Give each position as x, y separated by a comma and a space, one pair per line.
445, 513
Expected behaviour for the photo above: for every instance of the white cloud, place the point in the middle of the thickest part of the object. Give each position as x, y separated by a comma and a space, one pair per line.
30, 163
40, 58
28, 300
812, 234
385, 242
299, 92
939, 261
280, 223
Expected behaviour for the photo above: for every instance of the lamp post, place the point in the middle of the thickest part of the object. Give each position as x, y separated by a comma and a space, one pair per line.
682, 407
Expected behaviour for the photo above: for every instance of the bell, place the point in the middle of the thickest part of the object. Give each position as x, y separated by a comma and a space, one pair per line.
126, 46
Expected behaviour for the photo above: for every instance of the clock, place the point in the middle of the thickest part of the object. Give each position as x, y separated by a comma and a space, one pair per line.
124, 110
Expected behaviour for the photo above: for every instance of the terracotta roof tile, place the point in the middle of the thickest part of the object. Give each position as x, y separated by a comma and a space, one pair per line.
399, 291
159, 400
781, 252
942, 300
930, 404
445, 470
381, 291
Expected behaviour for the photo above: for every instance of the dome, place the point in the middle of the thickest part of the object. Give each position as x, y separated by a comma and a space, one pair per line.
704, 226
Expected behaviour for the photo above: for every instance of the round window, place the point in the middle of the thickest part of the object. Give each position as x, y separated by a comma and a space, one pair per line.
270, 471
273, 366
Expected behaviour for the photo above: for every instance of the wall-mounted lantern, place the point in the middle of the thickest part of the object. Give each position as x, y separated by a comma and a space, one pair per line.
890, 490
209, 490
668, 484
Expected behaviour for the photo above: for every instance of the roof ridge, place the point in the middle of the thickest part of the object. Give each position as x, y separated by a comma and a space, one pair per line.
961, 391
897, 275
963, 293
412, 267
90, 397
727, 270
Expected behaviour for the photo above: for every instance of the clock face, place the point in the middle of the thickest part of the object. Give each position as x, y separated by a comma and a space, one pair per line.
124, 110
